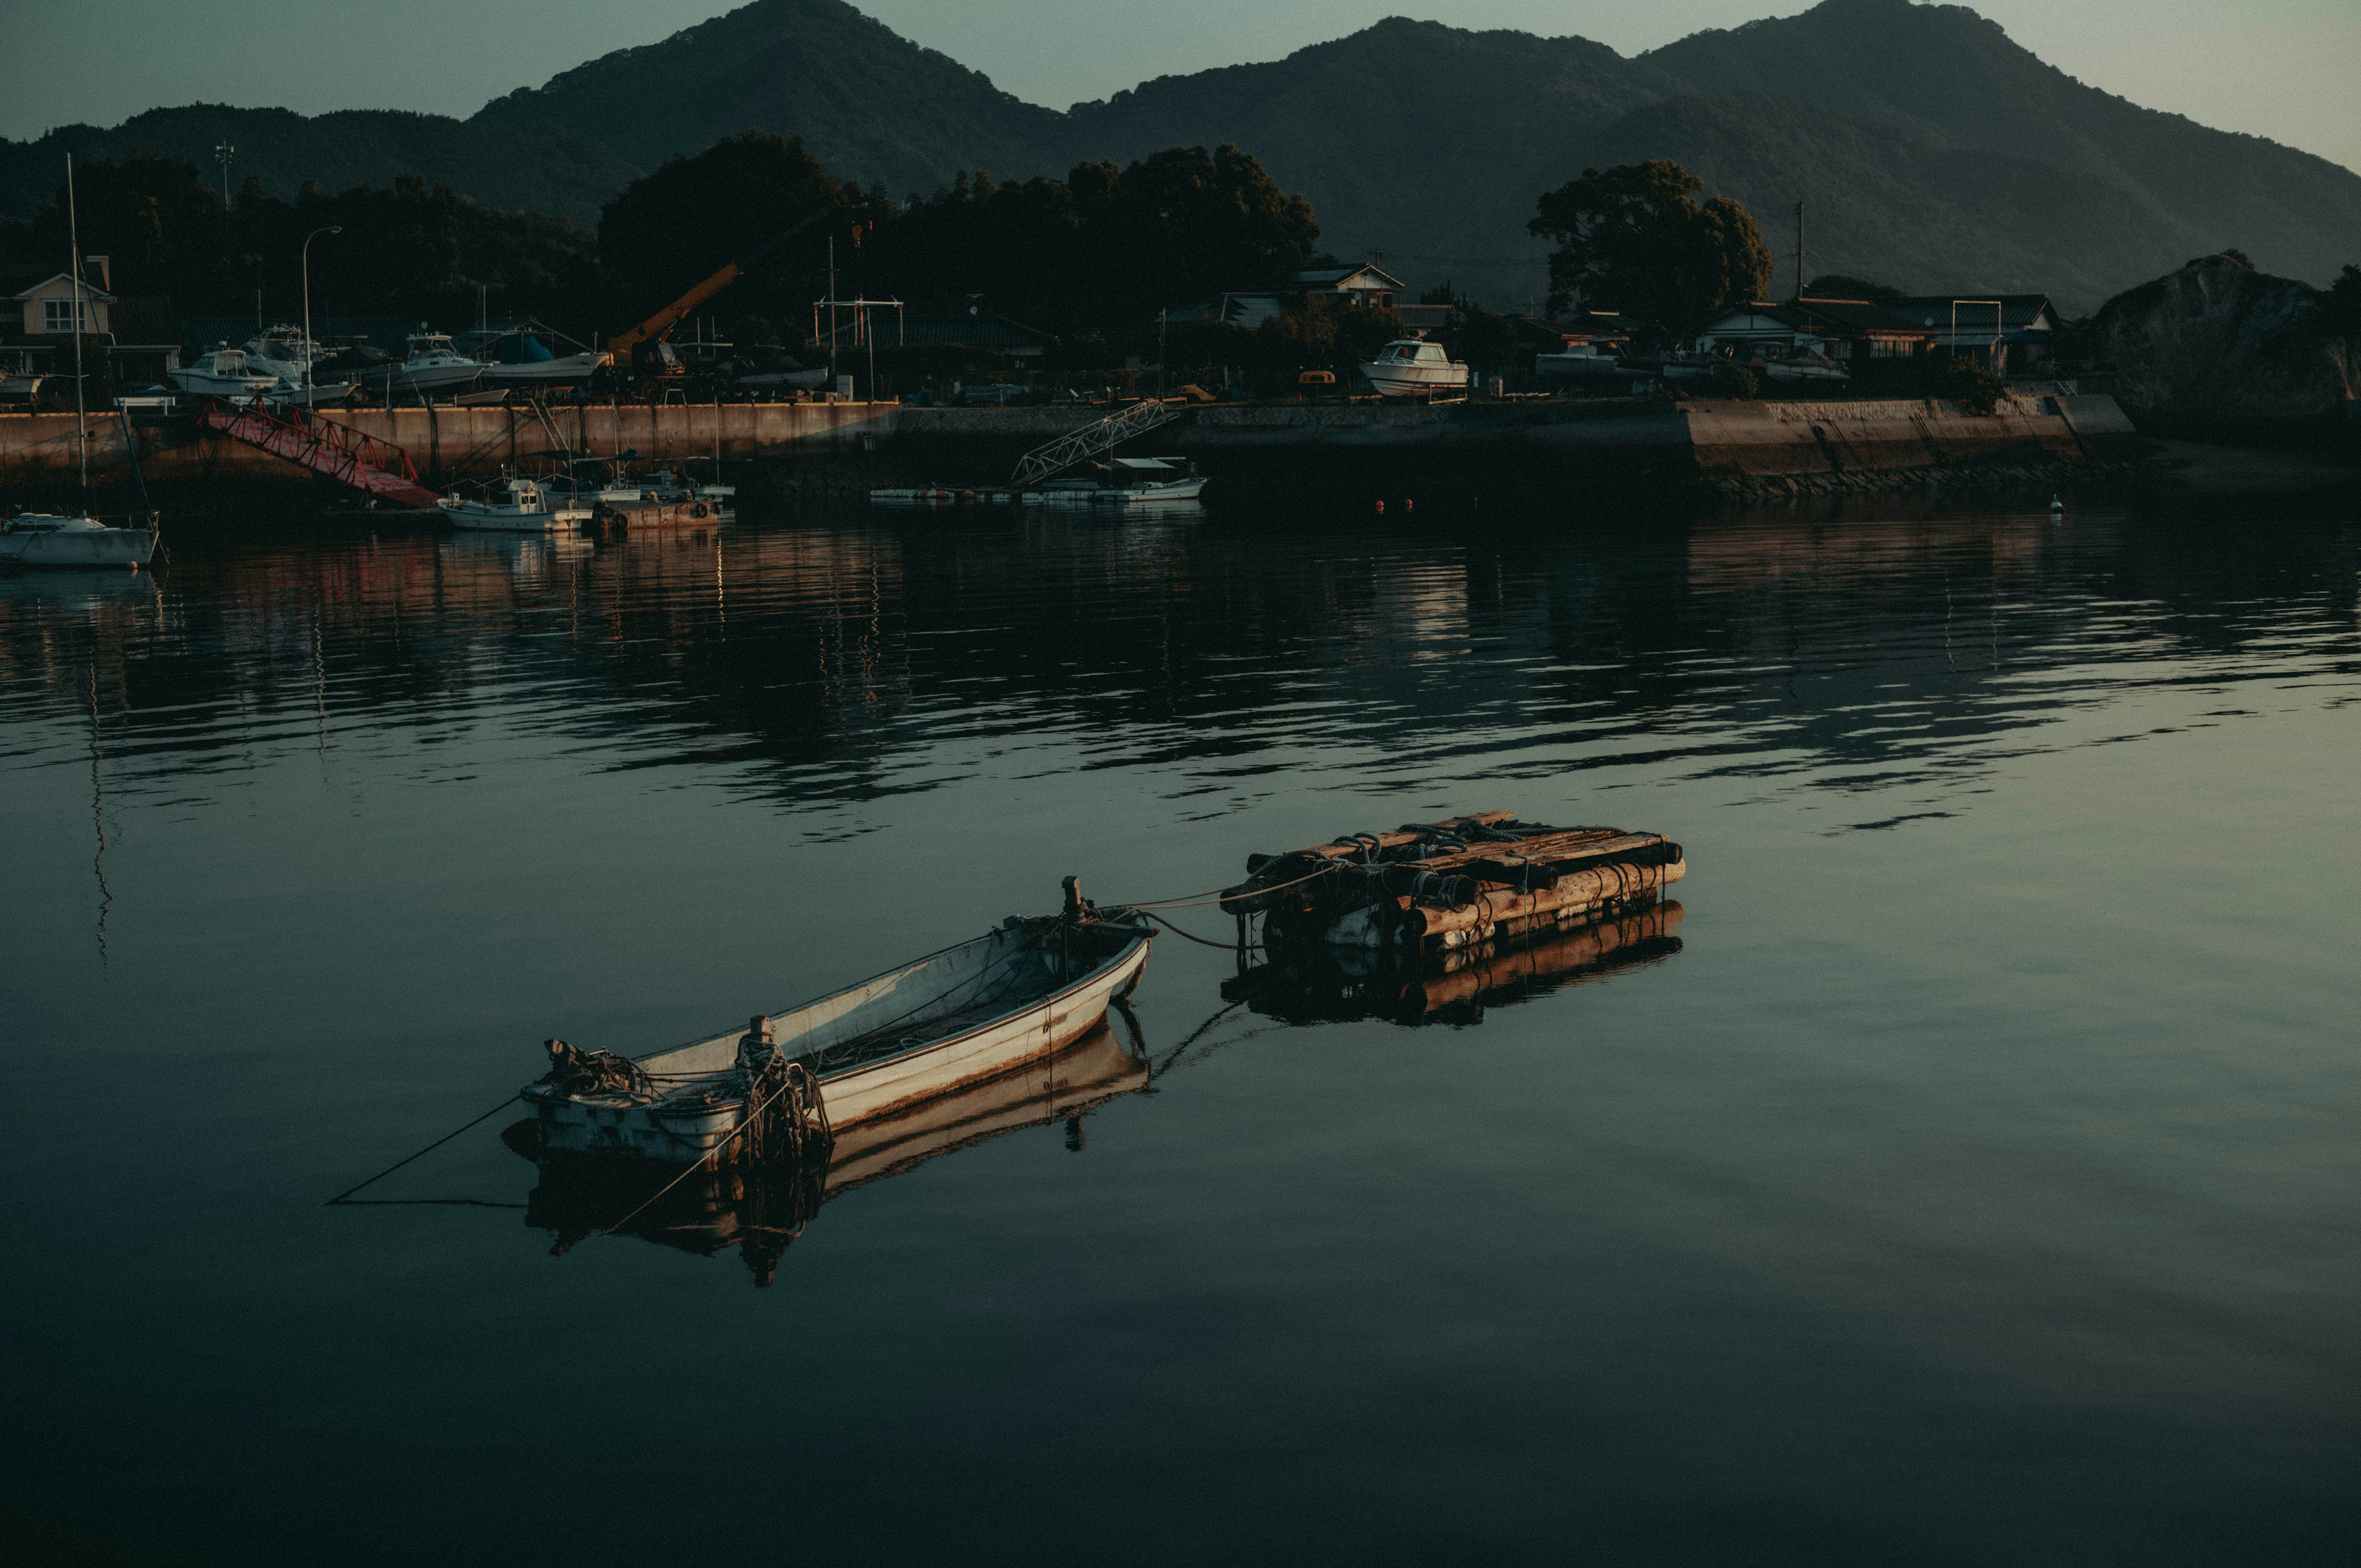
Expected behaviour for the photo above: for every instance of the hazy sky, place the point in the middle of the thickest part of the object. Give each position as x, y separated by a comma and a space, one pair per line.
2282, 69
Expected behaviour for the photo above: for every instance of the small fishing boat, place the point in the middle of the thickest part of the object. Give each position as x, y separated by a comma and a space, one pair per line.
966, 1015
1125, 482
1411, 367
759, 1211
519, 506
1151, 482
50, 539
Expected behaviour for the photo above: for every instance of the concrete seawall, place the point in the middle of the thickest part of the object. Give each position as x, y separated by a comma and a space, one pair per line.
1549, 445
446, 443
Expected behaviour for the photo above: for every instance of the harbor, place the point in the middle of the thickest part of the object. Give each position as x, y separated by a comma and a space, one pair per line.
1412, 792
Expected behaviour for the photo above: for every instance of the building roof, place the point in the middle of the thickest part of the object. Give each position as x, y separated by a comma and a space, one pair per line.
21, 282
1338, 277
2017, 312
1857, 316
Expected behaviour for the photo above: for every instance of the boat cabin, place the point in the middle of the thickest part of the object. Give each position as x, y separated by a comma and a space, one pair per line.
1414, 351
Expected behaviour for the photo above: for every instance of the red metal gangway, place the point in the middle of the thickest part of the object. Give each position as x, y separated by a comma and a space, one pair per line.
345, 455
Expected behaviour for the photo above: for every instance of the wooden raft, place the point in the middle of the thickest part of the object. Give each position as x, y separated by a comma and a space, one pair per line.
1463, 879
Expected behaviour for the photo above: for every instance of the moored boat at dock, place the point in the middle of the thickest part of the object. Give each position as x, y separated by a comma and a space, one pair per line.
519, 506
50, 539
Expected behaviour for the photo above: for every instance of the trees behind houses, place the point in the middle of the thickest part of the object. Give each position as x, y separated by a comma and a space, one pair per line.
1632, 239
1102, 251
410, 249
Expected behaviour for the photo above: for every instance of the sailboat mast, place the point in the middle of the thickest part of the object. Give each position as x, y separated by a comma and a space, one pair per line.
81, 419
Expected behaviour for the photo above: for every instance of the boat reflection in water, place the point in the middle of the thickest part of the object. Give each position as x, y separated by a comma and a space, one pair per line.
761, 1210
1321, 984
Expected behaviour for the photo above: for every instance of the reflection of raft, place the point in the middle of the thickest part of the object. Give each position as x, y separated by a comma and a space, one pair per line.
759, 1209
1310, 984
1448, 883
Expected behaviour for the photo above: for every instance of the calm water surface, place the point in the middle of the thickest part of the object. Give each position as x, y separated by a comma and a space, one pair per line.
1967, 1175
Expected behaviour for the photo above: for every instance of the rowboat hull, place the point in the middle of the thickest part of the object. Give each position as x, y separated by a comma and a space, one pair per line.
759, 1211
1014, 1041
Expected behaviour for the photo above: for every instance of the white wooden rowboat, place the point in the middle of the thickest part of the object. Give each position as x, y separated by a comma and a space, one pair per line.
966, 1015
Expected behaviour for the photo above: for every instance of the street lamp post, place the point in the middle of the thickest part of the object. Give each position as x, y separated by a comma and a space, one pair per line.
332, 228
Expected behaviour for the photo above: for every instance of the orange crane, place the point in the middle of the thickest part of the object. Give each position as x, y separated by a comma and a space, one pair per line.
647, 339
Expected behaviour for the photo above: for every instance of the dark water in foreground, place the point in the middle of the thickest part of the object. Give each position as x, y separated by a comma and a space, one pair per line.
1969, 1176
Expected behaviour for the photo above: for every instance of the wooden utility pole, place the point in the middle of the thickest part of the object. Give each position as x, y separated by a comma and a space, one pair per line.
1799, 248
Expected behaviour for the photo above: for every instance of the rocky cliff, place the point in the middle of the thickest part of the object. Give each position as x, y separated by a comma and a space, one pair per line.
2219, 349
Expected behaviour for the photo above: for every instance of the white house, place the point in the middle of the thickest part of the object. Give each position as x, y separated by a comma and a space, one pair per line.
1345, 287
46, 304
1765, 328
2021, 329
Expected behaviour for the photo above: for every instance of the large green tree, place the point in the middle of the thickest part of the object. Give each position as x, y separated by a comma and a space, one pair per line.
1633, 239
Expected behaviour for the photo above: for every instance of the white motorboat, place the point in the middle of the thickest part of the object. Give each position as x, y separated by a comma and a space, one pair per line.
224, 373
49, 539
432, 364
519, 506
968, 1014
1409, 366
286, 352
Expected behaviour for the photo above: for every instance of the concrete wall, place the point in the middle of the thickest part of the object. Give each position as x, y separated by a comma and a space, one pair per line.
1733, 440
446, 443
1547, 443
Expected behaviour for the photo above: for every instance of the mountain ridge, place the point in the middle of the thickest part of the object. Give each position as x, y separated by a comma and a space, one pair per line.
1929, 147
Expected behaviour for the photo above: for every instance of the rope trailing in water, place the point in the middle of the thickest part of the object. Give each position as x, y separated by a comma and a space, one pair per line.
430, 1149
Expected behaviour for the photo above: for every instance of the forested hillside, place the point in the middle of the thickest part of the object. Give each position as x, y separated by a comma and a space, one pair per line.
1928, 147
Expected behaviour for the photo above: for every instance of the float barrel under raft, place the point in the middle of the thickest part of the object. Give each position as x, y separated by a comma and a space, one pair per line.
1445, 884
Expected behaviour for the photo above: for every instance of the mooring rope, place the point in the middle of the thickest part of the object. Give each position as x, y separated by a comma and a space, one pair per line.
1191, 936
430, 1149
1223, 894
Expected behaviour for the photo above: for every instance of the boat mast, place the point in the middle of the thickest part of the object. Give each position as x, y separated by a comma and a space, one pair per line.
82, 420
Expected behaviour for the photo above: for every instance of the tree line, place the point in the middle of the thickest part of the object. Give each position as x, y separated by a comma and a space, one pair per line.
1092, 259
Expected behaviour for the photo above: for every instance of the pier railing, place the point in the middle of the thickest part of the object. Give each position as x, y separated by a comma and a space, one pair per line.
1081, 446
304, 436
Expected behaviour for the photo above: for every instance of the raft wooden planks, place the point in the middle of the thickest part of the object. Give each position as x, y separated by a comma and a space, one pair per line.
1446, 884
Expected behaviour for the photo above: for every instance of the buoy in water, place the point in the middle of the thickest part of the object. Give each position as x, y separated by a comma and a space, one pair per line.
2056, 507
1381, 507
